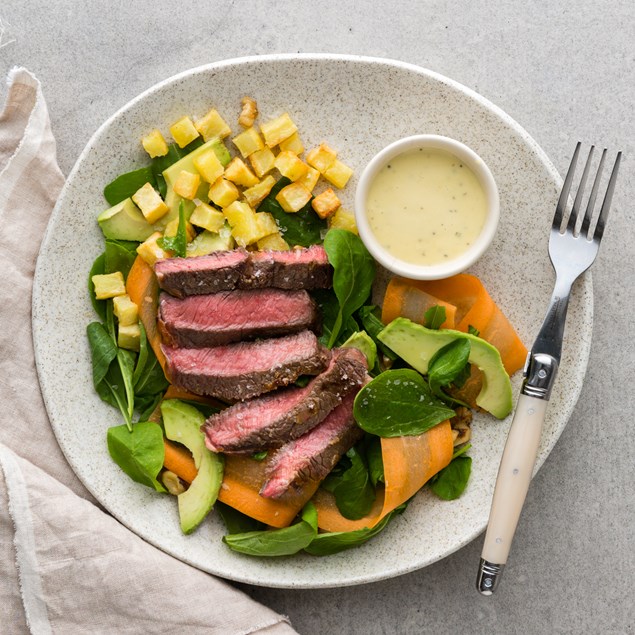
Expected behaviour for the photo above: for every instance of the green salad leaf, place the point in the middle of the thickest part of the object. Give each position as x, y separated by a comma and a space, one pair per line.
236, 522
447, 363
303, 227
351, 487
277, 542
125, 185
369, 316
398, 403
178, 242
139, 453
375, 460
353, 274
98, 268
119, 256
452, 480
434, 317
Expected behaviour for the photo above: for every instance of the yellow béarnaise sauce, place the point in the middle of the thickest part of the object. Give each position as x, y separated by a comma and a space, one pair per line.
426, 206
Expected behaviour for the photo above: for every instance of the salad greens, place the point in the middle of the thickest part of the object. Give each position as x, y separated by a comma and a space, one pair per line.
398, 401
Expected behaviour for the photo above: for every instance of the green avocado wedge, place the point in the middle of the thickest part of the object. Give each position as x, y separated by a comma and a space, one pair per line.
416, 345
125, 221
182, 423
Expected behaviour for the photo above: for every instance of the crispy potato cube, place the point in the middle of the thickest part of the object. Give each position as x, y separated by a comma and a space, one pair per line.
237, 172
246, 226
321, 158
109, 285
213, 125
186, 184
326, 203
262, 161
248, 113
343, 220
338, 174
173, 226
254, 195
206, 216
273, 242
267, 224
150, 251
248, 142
208, 166
310, 179
150, 203
278, 129
183, 131
292, 144
290, 166
154, 144
129, 336
126, 311
223, 192
294, 197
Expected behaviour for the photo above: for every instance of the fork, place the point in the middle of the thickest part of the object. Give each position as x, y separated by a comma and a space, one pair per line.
572, 251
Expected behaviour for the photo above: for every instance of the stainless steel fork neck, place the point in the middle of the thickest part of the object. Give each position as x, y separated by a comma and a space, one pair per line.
540, 374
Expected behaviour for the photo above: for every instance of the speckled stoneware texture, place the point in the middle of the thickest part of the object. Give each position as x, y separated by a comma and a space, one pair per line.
359, 105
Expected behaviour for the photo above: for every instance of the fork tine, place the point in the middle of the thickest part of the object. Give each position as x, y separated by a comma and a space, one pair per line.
608, 197
586, 223
566, 186
573, 218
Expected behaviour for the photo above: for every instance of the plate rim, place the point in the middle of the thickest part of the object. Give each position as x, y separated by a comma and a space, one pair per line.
583, 351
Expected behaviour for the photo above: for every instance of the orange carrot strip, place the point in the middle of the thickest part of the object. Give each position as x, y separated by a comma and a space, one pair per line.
407, 300
409, 462
179, 461
143, 289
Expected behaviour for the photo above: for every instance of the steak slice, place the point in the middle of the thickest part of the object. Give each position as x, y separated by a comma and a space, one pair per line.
238, 269
314, 454
294, 269
232, 316
272, 420
240, 371
218, 271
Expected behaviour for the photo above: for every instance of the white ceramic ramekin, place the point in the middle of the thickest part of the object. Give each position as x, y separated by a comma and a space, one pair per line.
450, 267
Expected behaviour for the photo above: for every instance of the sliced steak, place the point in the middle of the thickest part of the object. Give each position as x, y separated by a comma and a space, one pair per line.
272, 420
294, 269
314, 454
218, 271
232, 316
238, 269
240, 371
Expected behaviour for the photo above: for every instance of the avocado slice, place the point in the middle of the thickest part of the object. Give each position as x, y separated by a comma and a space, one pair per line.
182, 423
364, 343
207, 242
416, 345
170, 174
125, 221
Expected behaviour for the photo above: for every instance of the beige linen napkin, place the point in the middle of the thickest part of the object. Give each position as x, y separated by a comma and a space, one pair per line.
66, 566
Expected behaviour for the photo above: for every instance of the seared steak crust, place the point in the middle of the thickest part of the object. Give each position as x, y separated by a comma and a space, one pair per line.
239, 269
272, 420
314, 454
240, 371
232, 316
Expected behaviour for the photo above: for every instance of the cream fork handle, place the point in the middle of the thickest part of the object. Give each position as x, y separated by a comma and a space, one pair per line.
514, 475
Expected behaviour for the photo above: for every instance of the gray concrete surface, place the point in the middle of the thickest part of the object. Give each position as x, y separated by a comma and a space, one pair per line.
565, 71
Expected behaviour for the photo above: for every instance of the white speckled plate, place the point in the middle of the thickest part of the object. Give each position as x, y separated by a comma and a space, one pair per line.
359, 105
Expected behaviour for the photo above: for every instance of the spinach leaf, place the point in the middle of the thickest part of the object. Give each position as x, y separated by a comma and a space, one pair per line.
259, 456
277, 542
434, 317
126, 360
353, 491
152, 380
369, 316
178, 242
303, 227
142, 357
334, 542
448, 363
375, 460
354, 272
463, 376
329, 308
127, 184
98, 268
237, 522
119, 256
473, 331
451, 481
163, 163
397, 403
103, 350
139, 453
146, 405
